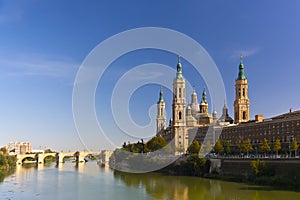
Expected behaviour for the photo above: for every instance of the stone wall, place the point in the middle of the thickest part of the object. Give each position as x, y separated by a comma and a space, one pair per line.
236, 167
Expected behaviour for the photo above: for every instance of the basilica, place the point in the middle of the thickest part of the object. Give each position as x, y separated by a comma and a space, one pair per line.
194, 117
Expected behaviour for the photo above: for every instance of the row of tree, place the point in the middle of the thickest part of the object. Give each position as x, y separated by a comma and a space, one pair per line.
220, 147
245, 146
155, 143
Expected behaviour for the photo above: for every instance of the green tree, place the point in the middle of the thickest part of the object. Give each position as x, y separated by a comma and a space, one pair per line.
3, 162
194, 165
295, 146
156, 143
4, 150
194, 148
259, 167
277, 146
219, 147
208, 147
265, 147
49, 151
226, 145
246, 146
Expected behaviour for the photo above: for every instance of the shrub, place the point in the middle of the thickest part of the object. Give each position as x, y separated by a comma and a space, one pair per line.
259, 168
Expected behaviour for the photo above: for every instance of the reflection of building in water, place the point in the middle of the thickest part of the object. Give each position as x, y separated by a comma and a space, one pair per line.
193, 121
19, 148
79, 166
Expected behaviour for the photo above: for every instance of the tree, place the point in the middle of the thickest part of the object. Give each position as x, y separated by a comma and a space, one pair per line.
195, 165
226, 145
277, 146
156, 143
49, 151
259, 167
265, 147
3, 162
246, 146
124, 145
219, 147
295, 146
194, 148
4, 150
208, 147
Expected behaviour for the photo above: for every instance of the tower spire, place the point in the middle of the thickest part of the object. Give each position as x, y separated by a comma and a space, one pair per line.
161, 113
204, 100
179, 68
241, 75
161, 95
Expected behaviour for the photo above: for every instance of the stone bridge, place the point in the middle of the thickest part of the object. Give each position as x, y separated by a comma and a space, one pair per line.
59, 157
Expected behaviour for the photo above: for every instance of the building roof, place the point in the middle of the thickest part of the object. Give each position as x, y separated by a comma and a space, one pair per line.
287, 115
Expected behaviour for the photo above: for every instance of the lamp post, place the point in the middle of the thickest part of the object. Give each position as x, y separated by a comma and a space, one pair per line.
290, 140
255, 151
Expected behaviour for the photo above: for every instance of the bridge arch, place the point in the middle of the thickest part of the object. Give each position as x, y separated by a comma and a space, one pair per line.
26, 156
62, 155
49, 156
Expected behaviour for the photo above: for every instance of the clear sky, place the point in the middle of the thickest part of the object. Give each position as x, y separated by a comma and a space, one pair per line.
43, 43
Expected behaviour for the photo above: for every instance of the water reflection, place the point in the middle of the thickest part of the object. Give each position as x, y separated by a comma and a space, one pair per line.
4, 173
88, 180
170, 187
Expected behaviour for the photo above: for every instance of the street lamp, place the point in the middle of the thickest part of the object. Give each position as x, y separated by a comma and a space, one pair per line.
256, 150
290, 140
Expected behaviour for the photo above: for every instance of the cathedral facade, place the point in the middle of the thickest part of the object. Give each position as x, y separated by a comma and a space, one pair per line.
189, 116
194, 122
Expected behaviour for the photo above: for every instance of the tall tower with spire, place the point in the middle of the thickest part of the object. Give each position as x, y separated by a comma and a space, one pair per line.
179, 110
161, 113
242, 102
204, 103
194, 104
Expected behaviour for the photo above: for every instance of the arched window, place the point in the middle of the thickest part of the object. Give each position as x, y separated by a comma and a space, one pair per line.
239, 92
243, 92
180, 93
180, 115
244, 115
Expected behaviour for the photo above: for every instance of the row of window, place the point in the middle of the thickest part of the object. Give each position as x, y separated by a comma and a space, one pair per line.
179, 93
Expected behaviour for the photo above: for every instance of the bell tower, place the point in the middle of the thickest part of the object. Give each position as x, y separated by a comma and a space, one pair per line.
179, 111
242, 102
204, 104
161, 113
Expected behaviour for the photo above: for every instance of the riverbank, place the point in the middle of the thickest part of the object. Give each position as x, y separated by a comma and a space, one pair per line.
7, 166
271, 173
273, 182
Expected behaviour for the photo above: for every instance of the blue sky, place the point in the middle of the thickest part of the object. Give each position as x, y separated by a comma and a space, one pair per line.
43, 43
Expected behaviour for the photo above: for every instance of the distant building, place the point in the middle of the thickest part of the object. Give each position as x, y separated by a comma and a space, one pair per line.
19, 148
193, 122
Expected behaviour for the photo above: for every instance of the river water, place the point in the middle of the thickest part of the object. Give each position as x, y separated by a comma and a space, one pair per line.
89, 181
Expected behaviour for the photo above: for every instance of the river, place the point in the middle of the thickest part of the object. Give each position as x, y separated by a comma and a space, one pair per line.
89, 181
